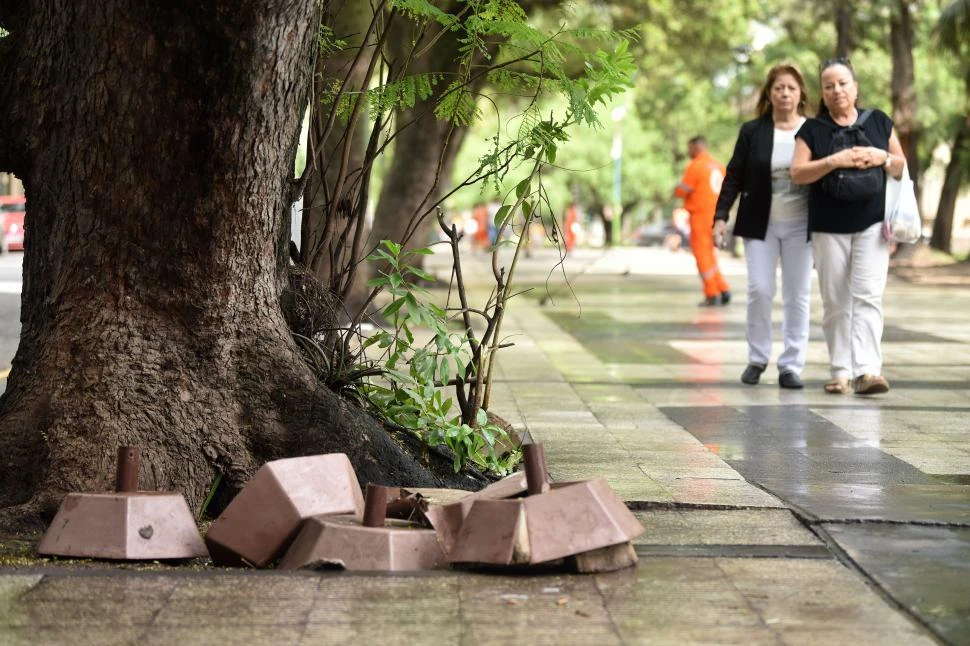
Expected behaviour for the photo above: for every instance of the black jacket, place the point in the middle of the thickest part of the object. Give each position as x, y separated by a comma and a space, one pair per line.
749, 174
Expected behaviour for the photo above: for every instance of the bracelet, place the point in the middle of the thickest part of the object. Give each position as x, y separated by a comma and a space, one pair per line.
889, 160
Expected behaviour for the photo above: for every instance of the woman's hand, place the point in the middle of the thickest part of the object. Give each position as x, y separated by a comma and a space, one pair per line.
873, 156
846, 158
720, 233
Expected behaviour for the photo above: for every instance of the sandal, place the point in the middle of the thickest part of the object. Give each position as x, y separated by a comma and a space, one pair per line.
837, 386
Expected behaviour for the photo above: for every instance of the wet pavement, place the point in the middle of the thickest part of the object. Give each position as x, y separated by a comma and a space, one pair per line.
771, 516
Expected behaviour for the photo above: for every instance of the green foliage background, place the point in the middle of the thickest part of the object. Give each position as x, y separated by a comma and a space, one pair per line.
694, 78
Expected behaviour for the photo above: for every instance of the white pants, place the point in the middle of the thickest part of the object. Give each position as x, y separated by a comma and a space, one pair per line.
852, 269
789, 241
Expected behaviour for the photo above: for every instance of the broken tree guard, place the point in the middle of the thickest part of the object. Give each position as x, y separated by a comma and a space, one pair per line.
582, 524
375, 543
157, 174
125, 525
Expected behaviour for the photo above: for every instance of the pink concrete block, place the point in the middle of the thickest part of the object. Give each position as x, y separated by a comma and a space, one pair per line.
570, 519
447, 519
341, 541
261, 522
124, 526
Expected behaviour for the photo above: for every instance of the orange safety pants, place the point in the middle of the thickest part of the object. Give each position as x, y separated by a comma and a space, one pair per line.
702, 244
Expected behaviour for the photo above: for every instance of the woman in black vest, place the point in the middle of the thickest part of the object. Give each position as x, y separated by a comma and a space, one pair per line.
845, 222
773, 220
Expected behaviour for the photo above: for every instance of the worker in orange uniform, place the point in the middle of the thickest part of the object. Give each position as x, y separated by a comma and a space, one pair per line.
699, 189
569, 226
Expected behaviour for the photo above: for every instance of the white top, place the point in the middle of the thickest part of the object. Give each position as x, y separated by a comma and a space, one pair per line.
789, 201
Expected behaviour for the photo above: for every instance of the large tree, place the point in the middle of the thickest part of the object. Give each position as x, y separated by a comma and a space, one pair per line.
156, 145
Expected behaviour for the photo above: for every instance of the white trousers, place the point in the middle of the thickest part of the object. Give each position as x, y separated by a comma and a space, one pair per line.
788, 241
852, 269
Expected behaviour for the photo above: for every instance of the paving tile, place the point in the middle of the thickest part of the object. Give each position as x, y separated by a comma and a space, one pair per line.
927, 569
111, 635
404, 631
258, 585
349, 598
234, 610
82, 612
873, 636
206, 634
106, 588
809, 594
720, 527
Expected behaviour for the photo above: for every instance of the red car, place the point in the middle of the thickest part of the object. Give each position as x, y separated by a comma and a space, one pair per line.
12, 222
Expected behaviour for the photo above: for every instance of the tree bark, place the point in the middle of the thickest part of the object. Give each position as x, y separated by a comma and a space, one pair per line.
156, 144
843, 29
904, 99
953, 179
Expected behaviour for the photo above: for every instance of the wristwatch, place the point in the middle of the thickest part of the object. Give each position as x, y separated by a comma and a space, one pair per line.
889, 160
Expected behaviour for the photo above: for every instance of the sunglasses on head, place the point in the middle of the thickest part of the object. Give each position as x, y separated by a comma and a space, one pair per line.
829, 62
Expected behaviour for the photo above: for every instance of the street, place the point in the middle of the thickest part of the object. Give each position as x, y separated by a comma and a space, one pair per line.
10, 282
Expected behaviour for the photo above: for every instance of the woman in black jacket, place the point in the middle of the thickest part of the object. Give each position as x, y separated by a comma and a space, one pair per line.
773, 220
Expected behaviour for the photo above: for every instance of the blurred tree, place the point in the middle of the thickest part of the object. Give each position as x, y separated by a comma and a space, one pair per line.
904, 97
953, 34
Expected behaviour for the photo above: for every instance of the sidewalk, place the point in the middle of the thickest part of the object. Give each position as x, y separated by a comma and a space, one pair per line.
772, 516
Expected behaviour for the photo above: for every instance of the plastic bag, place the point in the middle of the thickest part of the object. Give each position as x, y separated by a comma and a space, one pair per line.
902, 223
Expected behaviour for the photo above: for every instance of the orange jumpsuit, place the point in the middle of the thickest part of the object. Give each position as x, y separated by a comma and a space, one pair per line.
568, 227
704, 175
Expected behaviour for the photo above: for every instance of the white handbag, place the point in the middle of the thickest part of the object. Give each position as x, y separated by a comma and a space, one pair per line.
902, 222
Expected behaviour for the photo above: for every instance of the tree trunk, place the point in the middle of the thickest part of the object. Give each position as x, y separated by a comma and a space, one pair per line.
424, 148
904, 87
330, 220
156, 144
904, 97
843, 28
953, 179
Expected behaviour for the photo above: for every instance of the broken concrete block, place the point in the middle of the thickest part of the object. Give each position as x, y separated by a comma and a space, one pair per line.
264, 518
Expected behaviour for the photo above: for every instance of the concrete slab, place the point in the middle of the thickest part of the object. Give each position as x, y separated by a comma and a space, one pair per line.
722, 527
927, 569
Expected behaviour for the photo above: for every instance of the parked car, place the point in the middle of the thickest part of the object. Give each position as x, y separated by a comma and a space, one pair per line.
12, 211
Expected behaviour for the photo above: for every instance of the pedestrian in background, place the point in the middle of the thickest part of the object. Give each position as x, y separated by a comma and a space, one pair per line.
773, 221
699, 189
845, 216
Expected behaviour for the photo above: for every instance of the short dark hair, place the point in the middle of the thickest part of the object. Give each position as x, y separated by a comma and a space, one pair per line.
839, 60
699, 139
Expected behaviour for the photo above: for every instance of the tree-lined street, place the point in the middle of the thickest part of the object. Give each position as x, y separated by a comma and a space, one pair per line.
161, 303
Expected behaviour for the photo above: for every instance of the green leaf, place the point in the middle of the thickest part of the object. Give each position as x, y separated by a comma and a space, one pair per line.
420, 273
392, 309
551, 153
